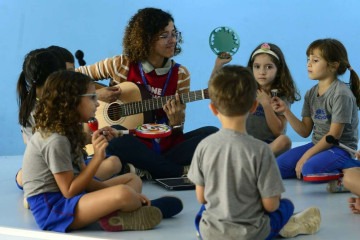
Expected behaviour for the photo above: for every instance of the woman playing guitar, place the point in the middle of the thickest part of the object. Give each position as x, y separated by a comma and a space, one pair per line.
150, 41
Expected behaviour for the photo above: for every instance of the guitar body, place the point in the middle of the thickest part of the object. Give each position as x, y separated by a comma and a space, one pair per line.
108, 114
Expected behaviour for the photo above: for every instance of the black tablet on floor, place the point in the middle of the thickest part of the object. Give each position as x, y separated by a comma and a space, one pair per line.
181, 183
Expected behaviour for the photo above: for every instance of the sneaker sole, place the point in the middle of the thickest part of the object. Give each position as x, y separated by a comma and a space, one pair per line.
306, 222
144, 218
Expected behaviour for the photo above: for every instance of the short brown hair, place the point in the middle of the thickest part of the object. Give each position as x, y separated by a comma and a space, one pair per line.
232, 90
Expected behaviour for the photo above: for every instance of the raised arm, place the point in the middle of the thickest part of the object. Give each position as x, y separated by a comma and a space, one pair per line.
221, 60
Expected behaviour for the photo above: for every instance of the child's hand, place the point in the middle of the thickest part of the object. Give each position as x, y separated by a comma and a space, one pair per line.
278, 105
109, 132
222, 59
99, 143
144, 200
263, 98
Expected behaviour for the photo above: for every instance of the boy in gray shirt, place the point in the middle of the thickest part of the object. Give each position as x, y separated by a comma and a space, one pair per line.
236, 175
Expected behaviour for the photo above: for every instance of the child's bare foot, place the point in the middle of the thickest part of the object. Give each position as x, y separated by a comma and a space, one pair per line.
354, 204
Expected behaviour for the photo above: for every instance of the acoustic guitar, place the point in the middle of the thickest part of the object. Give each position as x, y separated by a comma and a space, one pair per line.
134, 106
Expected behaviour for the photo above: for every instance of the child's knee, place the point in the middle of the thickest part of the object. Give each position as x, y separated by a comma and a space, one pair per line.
349, 177
285, 142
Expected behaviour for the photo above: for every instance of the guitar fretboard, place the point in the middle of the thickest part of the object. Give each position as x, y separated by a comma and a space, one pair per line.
133, 108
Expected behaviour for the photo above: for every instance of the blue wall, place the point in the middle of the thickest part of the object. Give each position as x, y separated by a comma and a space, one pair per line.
97, 28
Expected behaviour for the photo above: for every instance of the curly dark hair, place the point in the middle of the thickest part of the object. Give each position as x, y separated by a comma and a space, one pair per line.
57, 110
143, 30
283, 80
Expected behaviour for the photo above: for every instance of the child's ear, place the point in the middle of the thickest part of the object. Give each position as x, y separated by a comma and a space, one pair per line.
334, 66
254, 106
213, 109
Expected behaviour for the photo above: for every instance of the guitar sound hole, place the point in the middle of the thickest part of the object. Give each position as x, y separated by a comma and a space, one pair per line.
114, 111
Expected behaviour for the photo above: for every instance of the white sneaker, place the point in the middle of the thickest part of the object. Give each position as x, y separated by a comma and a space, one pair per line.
143, 174
336, 186
305, 222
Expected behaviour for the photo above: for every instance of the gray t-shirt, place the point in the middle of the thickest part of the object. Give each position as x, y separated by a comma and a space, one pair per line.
257, 126
44, 157
237, 171
336, 105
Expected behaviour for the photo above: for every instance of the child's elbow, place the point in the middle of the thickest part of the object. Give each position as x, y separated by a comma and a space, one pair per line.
271, 204
68, 195
271, 208
201, 200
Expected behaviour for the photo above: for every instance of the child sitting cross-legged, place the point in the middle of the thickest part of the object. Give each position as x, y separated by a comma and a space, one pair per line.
61, 191
236, 176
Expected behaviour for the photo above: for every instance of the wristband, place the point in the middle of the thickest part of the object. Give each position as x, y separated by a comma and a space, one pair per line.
178, 126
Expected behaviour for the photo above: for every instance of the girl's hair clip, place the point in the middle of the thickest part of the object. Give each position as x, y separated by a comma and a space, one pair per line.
265, 48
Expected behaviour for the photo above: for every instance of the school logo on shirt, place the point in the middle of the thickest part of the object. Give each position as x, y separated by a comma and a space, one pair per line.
154, 91
320, 114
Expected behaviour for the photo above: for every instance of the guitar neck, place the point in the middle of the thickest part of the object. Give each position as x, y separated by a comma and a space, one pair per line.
157, 103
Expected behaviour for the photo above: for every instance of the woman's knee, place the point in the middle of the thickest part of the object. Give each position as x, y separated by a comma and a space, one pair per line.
115, 163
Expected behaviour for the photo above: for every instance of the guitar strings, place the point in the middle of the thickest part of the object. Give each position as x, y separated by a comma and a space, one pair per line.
117, 110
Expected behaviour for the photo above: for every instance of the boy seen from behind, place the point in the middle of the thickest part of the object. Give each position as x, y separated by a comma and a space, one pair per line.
236, 175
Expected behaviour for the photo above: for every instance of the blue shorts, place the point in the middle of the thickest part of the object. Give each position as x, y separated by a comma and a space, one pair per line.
278, 218
332, 160
52, 211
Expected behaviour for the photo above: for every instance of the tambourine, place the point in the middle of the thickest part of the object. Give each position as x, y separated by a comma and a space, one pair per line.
151, 130
322, 177
148, 130
224, 39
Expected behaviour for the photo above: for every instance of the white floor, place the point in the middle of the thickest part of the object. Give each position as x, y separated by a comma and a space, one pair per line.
17, 223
